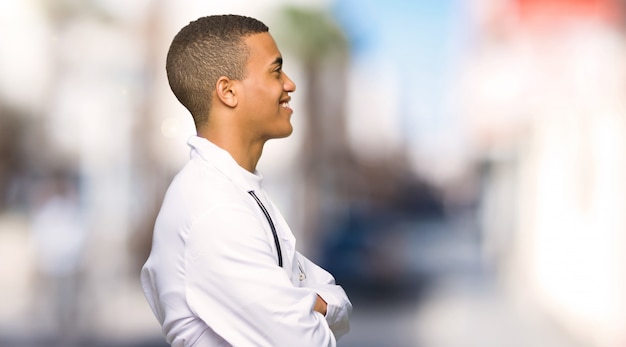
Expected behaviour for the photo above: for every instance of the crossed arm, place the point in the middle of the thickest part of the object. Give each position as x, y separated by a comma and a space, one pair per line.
234, 285
320, 305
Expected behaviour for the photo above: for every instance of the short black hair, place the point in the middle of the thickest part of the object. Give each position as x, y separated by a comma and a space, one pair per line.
202, 52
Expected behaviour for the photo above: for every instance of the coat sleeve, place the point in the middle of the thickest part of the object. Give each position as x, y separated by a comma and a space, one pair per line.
235, 286
339, 306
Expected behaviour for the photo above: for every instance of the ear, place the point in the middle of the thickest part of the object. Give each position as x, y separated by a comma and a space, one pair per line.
225, 90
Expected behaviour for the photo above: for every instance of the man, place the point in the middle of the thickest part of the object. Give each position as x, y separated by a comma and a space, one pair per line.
223, 269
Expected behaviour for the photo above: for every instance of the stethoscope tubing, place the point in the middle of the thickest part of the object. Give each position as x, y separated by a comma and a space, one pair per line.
271, 223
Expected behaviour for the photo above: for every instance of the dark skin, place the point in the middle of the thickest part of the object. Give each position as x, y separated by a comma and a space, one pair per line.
246, 113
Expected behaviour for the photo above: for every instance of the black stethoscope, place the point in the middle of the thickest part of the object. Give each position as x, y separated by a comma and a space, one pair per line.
269, 220
275, 234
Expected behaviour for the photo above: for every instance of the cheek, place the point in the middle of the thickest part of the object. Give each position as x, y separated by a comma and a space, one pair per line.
263, 94
258, 95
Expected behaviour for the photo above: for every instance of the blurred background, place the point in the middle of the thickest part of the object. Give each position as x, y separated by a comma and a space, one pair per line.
458, 165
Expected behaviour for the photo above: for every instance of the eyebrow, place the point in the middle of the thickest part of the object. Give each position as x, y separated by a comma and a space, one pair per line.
277, 61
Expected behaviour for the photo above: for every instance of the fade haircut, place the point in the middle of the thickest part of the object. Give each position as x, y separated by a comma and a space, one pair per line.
202, 52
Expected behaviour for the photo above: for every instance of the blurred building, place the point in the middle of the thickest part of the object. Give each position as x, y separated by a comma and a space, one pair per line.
545, 96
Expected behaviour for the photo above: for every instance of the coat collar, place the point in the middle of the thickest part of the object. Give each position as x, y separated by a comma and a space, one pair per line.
225, 163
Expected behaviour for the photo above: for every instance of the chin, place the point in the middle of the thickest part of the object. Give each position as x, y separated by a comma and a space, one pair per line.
284, 133
277, 135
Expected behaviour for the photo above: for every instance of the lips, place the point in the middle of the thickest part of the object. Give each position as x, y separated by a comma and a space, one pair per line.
285, 103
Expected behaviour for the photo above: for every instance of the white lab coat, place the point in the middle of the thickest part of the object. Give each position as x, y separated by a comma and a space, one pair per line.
212, 278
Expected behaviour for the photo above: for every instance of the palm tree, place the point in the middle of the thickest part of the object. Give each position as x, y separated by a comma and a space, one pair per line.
322, 48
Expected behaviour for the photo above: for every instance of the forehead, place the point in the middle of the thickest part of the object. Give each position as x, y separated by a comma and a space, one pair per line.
262, 49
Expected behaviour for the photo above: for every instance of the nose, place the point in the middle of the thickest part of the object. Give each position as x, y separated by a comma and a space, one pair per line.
288, 85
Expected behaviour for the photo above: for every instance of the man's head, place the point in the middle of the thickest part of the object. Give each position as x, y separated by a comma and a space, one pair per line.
202, 52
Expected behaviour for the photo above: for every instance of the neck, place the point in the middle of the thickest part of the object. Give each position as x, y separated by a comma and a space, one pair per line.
245, 153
